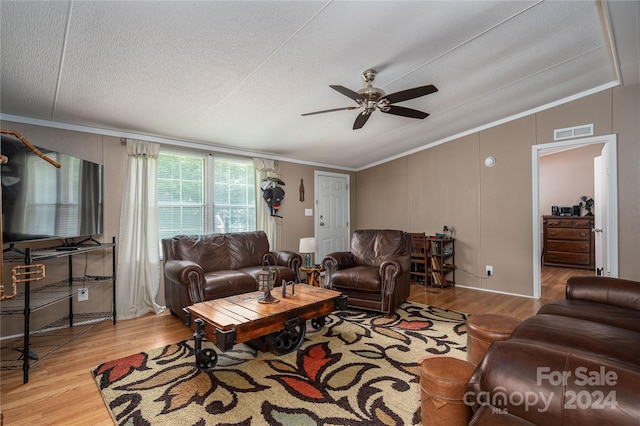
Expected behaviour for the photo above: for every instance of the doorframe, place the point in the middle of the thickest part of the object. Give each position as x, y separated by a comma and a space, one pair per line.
316, 226
612, 201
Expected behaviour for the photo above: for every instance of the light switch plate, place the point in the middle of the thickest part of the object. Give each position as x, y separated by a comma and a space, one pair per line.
308, 212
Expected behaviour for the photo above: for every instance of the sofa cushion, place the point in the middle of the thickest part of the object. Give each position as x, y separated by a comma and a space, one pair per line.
286, 274
372, 247
593, 311
208, 251
364, 279
548, 385
222, 251
578, 335
246, 248
612, 291
225, 283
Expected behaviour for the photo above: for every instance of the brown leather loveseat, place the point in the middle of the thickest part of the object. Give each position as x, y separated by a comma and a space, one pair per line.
374, 275
205, 267
577, 362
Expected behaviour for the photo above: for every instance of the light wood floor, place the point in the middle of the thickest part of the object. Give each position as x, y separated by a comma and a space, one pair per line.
61, 389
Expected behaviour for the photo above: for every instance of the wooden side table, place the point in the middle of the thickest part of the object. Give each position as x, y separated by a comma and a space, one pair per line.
313, 275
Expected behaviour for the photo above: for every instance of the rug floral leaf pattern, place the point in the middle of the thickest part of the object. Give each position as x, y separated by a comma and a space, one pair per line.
360, 369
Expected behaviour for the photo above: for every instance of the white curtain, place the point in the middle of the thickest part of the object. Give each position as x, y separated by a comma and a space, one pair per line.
264, 220
138, 274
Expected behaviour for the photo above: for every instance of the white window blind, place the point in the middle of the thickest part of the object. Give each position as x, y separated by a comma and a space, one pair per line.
201, 194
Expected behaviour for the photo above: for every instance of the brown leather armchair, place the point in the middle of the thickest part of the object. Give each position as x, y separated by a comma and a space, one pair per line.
374, 275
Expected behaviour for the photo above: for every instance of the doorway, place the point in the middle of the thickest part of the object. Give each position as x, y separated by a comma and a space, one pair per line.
609, 202
332, 228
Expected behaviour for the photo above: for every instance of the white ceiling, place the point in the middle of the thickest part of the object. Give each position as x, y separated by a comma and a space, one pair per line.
239, 74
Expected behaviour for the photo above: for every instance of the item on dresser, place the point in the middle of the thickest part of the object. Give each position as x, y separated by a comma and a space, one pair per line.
568, 242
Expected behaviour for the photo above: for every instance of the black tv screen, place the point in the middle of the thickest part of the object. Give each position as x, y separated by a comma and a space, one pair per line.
40, 201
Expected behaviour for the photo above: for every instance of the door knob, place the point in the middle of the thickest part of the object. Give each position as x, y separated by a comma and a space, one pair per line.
596, 229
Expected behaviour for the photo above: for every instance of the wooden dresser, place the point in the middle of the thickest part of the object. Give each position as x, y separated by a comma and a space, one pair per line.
568, 241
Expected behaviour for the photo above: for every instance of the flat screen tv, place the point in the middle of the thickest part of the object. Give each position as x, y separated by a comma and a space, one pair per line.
40, 201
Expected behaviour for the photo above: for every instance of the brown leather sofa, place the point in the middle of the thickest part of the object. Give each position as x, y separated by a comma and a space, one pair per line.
577, 362
205, 267
374, 275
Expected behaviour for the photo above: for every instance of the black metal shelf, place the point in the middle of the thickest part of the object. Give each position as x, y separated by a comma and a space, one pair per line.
49, 338
33, 346
39, 254
50, 294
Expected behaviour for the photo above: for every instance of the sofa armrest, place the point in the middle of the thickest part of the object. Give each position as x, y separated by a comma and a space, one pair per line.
339, 260
290, 259
612, 291
390, 270
335, 261
189, 274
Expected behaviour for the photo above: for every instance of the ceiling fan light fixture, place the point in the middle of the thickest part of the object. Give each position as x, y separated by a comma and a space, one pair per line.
370, 98
369, 75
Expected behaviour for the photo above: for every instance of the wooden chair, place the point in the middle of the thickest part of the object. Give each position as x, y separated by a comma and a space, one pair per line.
419, 252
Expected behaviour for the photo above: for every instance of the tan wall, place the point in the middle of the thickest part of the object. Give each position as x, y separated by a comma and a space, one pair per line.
490, 208
294, 224
566, 176
626, 110
110, 152
383, 197
505, 207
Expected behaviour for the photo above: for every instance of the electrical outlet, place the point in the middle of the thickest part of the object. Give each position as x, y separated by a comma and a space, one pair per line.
489, 270
83, 294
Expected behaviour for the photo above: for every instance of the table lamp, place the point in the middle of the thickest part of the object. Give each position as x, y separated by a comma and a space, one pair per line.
308, 247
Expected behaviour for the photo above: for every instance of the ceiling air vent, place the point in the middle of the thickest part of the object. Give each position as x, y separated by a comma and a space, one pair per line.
573, 132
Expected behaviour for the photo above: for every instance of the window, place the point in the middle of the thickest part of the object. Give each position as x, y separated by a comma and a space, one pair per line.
201, 194
234, 194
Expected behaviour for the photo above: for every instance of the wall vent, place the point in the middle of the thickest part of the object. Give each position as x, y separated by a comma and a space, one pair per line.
573, 132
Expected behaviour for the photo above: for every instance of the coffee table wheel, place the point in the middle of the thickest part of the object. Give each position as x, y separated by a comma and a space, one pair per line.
318, 323
206, 358
287, 340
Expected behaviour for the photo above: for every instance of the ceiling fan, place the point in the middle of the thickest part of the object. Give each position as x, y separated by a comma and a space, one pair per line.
371, 98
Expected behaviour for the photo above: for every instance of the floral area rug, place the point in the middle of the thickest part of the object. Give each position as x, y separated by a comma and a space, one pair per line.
360, 369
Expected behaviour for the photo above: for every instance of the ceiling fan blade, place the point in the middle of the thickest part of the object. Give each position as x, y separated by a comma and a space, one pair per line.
406, 112
330, 110
347, 92
361, 119
405, 95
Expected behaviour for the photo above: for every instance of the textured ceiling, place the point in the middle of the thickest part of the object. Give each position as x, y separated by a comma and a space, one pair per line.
239, 74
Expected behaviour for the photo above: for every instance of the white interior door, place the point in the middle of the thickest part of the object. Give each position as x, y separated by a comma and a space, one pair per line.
606, 211
599, 210
332, 213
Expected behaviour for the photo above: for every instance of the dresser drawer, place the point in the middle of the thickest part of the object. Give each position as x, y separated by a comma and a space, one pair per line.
569, 246
569, 222
568, 234
568, 258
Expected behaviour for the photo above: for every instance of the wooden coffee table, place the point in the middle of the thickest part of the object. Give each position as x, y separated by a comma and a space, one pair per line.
241, 318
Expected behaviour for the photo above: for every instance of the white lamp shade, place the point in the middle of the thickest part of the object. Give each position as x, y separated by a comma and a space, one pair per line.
307, 245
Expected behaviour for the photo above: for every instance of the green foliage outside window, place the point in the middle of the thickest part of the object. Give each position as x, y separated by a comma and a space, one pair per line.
190, 203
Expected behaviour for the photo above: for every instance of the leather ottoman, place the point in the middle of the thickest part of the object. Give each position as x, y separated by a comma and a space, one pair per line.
443, 384
483, 330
